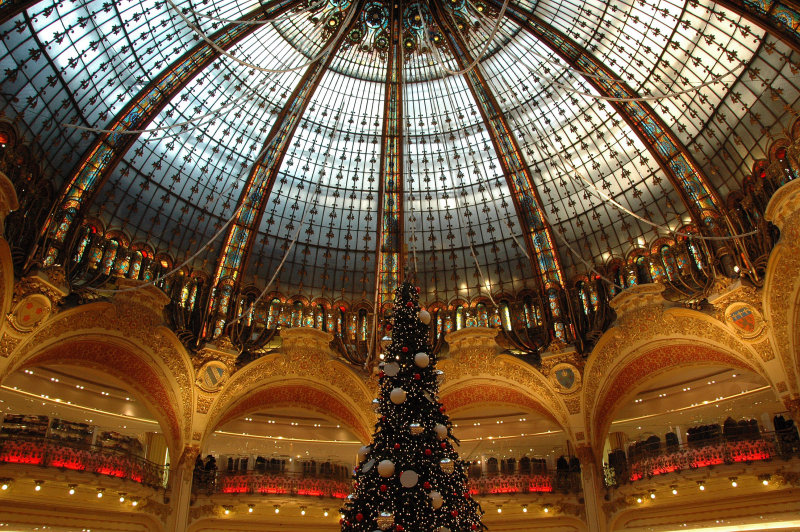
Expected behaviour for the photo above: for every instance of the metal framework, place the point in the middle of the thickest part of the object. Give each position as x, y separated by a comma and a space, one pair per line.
107, 151
242, 232
696, 192
390, 259
537, 232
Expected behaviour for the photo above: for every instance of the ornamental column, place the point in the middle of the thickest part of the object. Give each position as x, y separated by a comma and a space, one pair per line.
593, 490
180, 489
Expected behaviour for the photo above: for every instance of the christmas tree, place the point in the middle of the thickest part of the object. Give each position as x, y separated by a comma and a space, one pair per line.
410, 477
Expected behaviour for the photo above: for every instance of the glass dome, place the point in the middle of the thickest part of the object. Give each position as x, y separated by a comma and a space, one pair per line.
334, 144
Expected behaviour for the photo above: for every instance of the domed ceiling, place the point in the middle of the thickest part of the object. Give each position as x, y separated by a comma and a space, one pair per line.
350, 127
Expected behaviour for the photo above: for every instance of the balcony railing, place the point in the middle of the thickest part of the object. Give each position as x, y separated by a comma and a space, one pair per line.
283, 483
61, 454
291, 483
695, 455
549, 482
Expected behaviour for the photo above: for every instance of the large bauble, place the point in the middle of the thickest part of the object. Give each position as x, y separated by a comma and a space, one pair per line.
368, 465
398, 396
409, 479
421, 360
436, 499
363, 452
385, 520
386, 468
425, 317
391, 368
441, 431
447, 465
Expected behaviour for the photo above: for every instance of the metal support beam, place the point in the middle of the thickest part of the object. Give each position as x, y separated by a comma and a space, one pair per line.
390, 259
781, 19
107, 151
696, 192
241, 234
527, 203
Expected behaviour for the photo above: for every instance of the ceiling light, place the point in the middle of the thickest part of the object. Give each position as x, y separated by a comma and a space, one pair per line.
72, 489
701, 485
100, 492
226, 510
250, 508
546, 508
302, 510
5, 483
674, 490
325, 512
524, 508
639, 500
121, 497
499, 509
38, 485
135, 502
652, 494
733, 482
277, 508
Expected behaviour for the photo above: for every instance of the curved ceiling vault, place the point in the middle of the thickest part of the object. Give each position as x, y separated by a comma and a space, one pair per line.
373, 154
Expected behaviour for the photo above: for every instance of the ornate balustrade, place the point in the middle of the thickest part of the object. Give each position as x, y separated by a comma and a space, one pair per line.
53, 452
286, 483
535, 483
702, 454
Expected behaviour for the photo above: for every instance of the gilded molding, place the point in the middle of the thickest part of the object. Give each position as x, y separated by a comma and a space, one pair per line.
8, 200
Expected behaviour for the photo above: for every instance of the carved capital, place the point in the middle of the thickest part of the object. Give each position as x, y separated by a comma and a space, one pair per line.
585, 454
784, 206
305, 338
727, 291
147, 299
472, 337
8, 200
49, 282
637, 297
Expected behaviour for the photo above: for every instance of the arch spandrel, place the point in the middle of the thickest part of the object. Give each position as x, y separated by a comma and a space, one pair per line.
132, 332
657, 329
782, 281
305, 360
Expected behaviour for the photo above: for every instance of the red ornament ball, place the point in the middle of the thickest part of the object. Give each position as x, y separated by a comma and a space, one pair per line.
441, 409
418, 289
417, 376
383, 418
474, 527
396, 446
466, 495
410, 304
428, 452
454, 513
384, 487
388, 326
427, 485
381, 374
443, 445
359, 517
405, 349
399, 527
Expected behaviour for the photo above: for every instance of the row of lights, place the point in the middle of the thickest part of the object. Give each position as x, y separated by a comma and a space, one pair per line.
5, 484
546, 508
77, 386
227, 509
701, 485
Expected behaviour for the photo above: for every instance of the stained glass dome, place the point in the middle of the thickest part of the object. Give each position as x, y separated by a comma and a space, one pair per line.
488, 148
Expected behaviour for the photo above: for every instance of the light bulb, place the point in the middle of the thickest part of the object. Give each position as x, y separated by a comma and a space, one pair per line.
652, 495
277, 509
674, 491
524, 508
72, 490
135, 502
122, 498
325, 513
546, 509
38, 487
227, 511
250, 508
639, 500
4, 486
765, 482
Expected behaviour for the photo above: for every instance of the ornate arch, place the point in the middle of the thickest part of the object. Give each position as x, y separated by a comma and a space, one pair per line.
649, 338
124, 339
305, 373
474, 359
484, 392
648, 365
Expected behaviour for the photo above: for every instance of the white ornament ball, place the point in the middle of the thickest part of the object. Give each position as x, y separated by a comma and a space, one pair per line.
441, 431
421, 360
436, 499
398, 395
363, 452
391, 369
408, 479
425, 316
367, 466
386, 468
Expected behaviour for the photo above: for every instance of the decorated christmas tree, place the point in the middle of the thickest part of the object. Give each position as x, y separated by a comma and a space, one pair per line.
410, 477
